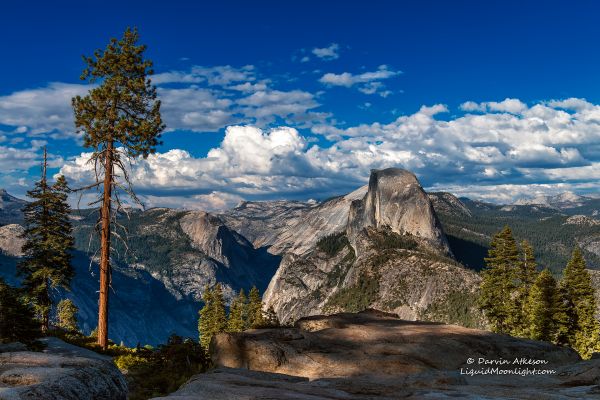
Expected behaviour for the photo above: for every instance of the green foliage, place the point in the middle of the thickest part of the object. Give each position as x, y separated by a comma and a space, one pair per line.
237, 311
385, 239
583, 329
244, 313
458, 307
255, 309
48, 244
544, 228
526, 275
153, 373
499, 282
332, 244
357, 297
150, 372
120, 120
123, 108
212, 315
66, 315
17, 323
270, 319
517, 300
543, 309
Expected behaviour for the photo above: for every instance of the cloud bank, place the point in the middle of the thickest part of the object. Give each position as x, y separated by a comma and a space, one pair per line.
499, 151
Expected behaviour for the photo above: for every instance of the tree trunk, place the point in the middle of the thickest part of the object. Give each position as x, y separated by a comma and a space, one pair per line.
47, 304
105, 248
45, 223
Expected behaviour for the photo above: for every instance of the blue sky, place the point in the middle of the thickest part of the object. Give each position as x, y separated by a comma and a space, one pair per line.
300, 99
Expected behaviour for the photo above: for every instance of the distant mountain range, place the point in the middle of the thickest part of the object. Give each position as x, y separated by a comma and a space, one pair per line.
553, 228
560, 201
386, 245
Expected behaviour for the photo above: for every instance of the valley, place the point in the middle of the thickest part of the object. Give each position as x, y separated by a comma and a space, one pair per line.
401, 251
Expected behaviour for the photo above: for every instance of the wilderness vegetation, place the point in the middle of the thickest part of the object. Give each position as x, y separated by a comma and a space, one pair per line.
518, 300
545, 229
120, 119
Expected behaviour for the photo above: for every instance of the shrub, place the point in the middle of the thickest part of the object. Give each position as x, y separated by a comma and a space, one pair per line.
17, 322
385, 239
357, 297
66, 315
152, 373
332, 244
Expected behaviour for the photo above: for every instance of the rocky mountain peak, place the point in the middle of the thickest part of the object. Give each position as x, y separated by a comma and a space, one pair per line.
10, 208
11, 242
209, 234
396, 200
559, 201
448, 203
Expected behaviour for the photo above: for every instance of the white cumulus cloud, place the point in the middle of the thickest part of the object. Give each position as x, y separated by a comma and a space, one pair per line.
330, 52
368, 82
44, 110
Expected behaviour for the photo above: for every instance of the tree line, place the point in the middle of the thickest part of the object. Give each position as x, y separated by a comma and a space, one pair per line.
244, 313
520, 300
119, 120
46, 265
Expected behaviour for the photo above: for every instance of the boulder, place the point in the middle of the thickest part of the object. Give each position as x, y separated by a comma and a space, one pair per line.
61, 372
374, 355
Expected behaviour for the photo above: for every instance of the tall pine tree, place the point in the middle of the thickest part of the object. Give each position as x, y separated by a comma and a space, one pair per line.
120, 119
237, 311
255, 309
500, 281
205, 322
542, 308
212, 315
583, 329
48, 243
525, 277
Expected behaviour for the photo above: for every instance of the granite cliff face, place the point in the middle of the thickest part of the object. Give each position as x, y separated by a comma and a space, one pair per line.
11, 241
396, 200
291, 227
390, 254
158, 281
10, 209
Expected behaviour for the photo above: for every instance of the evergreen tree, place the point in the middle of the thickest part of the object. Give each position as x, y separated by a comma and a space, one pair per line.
528, 267
219, 315
542, 307
66, 315
205, 323
17, 323
499, 281
271, 319
255, 309
583, 329
235, 322
48, 243
120, 119
212, 315
526, 276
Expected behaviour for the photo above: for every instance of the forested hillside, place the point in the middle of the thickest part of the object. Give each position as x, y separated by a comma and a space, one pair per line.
552, 232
